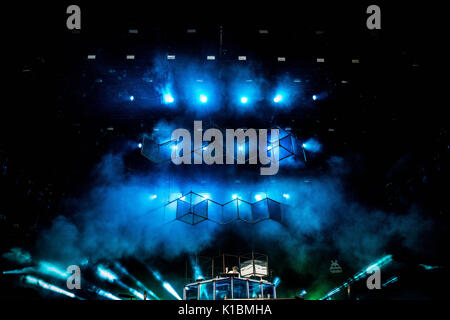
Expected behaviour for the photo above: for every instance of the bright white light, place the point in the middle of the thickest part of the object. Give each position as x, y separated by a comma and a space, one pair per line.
278, 98
304, 145
169, 288
153, 196
48, 286
244, 99
168, 98
269, 148
106, 274
240, 148
46, 267
107, 294
140, 145
203, 98
286, 195
258, 197
131, 98
235, 196
314, 97
175, 147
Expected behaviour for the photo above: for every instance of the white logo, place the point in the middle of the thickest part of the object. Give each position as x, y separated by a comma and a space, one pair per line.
335, 267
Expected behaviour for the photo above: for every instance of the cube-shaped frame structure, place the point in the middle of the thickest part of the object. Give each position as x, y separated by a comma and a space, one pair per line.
193, 208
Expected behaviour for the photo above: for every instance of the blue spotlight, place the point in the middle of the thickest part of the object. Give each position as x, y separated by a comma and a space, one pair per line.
241, 148
286, 196
48, 268
168, 98
244, 99
140, 145
156, 274
276, 281
278, 98
302, 293
131, 98
203, 98
392, 280
234, 196
153, 196
312, 145
314, 97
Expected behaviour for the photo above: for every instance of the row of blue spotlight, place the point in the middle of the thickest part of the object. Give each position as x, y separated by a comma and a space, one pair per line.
258, 197
203, 98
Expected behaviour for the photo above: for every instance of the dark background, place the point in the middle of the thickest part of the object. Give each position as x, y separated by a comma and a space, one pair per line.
391, 124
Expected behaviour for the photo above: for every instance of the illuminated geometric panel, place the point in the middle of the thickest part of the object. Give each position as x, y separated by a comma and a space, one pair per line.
244, 210
215, 211
260, 211
200, 211
184, 211
191, 214
274, 210
229, 212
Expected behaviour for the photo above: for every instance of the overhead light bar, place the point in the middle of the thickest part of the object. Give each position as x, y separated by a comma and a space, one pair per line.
91, 57
170, 57
320, 60
130, 57
281, 59
242, 58
211, 58
133, 31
